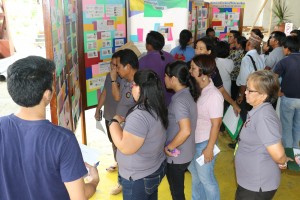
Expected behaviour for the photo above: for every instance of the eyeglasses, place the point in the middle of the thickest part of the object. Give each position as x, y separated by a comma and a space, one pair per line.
250, 91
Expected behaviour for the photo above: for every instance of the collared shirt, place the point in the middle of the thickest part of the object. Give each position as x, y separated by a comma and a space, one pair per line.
126, 101
254, 165
110, 104
225, 66
236, 56
247, 66
274, 57
289, 69
209, 106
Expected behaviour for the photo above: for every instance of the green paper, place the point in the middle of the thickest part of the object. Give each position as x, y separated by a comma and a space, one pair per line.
149, 11
92, 99
292, 165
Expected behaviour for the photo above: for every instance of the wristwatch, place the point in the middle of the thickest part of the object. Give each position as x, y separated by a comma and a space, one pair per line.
112, 121
114, 81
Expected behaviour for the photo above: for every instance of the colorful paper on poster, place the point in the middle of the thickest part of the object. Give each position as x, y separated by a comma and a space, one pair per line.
92, 54
104, 67
114, 10
119, 34
233, 16
105, 53
91, 45
219, 28
105, 25
91, 36
106, 43
94, 11
96, 83
119, 42
230, 28
105, 35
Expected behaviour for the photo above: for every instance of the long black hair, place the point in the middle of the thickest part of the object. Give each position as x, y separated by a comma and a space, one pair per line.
184, 38
151, 95
180, 70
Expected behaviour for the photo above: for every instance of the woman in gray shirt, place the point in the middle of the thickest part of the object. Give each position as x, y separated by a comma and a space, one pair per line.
140, 155
182, 115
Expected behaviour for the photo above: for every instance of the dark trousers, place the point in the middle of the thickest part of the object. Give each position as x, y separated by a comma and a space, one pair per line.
175, 176
244, 194
234, 90
114, 148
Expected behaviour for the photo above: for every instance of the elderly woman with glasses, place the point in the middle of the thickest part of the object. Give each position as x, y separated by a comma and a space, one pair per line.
260, 154
140, 155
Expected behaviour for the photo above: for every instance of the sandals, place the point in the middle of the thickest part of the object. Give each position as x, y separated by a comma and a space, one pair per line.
111, 168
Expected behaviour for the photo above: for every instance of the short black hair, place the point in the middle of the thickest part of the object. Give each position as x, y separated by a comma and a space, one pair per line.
127, 56
208, 30
206, 63
156, 40
292, 43
235, 33
222, 49
279, 36
241, 40
28, 79
257, 32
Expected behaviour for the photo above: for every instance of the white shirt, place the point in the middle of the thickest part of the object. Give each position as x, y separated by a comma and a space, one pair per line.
247, 66
225, 67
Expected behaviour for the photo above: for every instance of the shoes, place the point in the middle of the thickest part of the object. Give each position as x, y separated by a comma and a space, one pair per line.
116, 190
232, 145
112, 168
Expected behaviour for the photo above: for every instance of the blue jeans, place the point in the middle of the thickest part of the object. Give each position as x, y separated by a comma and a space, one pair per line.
204, 182
144, 188
290, 120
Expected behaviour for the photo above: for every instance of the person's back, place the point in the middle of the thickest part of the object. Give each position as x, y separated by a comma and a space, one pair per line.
184, 52
36, 159
39, 160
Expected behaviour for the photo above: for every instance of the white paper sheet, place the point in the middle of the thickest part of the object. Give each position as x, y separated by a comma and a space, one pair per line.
90, 155
200, 160
231, 120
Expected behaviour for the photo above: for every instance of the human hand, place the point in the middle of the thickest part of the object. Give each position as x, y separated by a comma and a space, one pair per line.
284, 166
113, 74
97, 115
167, 152
93, 174
239, 99
208, 155
236, 108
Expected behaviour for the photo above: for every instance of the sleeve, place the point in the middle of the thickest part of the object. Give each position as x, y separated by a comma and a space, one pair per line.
142, 63
71, 162
268, 129
244, 72
107, 81
216, 78
279, 68
216, 105
270, 60
173, 51
137, 124
182, 110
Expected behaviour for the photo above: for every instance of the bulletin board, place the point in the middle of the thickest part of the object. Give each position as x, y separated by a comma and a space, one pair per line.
202, 19
61, 47
166, 17
226, 16
104, 30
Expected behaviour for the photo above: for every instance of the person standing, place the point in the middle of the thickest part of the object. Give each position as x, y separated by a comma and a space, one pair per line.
182, 116
184, 52
38, 159
260, 154
140, 155
210, 113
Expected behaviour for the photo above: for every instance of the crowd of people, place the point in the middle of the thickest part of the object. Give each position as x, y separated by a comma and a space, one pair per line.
162, 112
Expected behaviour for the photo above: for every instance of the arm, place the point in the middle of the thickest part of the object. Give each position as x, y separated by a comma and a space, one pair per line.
241, 96
79, 190
277, 153
100, 104
126, 142
228, 98
115, 89
183, 133
214, 131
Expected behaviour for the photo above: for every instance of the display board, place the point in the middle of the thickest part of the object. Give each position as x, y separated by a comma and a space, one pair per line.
167, 17
226, 16
104, 30
61, 47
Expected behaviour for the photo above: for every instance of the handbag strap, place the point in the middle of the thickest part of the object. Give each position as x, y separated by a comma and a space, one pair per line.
253, 62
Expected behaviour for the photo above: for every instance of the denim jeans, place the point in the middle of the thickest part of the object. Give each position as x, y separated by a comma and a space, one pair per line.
204, 182
175, 176
290, 120
144, 188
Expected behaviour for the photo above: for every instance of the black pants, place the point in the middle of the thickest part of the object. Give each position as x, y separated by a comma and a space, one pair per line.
175, 176
244, 194
234, 90
114, 148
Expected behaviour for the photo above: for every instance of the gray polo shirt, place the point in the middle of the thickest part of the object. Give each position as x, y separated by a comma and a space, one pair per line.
182, 106
274, 57
255, 167
110, 104
126, 101
150, 156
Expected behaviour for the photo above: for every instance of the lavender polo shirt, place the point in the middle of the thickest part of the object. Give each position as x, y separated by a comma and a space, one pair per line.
182, 106
150, 155
126, 101
255, 167
110, 104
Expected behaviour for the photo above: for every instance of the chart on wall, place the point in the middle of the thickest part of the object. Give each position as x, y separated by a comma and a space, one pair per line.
226, 16
104, 30
165, 16
65, 55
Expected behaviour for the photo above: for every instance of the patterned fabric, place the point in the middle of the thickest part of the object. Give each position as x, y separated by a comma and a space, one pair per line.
236, 56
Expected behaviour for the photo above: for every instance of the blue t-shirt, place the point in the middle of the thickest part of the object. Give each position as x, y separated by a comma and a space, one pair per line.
184, 55
36, 158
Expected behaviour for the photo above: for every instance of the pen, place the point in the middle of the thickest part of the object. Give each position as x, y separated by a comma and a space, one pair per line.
96, 165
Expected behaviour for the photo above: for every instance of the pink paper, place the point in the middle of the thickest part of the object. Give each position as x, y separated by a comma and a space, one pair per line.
222, 36
105, 17
140, 34
87, 2
235, 24
215, 10
170, 36
121, 27
95, 69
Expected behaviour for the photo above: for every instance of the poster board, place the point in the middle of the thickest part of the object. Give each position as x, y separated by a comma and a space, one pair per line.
103, 31
202, 19
166, 17
61, 47
226, 16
